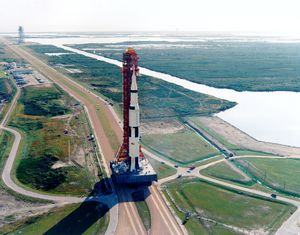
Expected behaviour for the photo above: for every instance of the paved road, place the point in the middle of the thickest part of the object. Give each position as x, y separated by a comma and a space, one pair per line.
118, 64
129, 218
111, 200
290, 227
6, 174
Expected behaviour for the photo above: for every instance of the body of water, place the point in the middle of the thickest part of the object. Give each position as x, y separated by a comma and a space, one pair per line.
266, 116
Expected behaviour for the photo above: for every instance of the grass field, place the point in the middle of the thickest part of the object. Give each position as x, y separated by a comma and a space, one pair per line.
44, 143
6, 88
142, 208
239, 65
195, 121
183, 147
162, 170
44, 101
6, 141
88, 218
226, 206
223, 171
6, 56
280, 174
157, 98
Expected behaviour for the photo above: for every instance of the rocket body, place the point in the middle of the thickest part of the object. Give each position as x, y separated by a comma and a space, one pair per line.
130, 151
134, 124
131, 167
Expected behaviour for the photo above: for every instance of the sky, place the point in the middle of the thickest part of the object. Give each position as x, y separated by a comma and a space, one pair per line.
278, 16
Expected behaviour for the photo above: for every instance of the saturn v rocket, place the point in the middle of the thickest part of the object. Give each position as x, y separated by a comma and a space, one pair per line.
134, 123
130, 165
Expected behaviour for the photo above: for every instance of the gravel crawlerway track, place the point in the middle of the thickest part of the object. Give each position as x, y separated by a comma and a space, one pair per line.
163, 222
57, 200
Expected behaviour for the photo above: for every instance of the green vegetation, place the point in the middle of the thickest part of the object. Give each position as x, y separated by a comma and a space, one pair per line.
6, 87
183, 147
225, 172
197, 122
7, 90
162, 170
252, 152
224, 206
8, 57
38, 173
6, 141
252, 66
44, 143
279, 174
157, 98
88, 218
4, 91
142, 208
45, 101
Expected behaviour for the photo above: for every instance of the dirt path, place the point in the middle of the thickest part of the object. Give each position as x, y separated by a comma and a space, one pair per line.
237, 170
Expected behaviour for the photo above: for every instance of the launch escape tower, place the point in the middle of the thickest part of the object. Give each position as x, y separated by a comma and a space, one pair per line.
130, 166
21, 35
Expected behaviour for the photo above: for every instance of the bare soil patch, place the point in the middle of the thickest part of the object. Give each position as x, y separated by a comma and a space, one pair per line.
13, 209
166, 126
243, 140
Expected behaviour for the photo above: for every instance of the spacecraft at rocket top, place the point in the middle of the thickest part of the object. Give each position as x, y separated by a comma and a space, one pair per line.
130, 165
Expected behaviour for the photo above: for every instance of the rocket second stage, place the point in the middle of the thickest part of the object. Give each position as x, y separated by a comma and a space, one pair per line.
134, 123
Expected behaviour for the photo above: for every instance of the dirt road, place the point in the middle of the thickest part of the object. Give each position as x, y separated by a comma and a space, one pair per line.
163, 222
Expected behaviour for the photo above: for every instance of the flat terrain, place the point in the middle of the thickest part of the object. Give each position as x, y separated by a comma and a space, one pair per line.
87, 218
281, 174
162, 170
109, 134
239, 65
243, 213
45, 143
236, 137
224, 171
142, 208
158, 99
183, 147
13, 207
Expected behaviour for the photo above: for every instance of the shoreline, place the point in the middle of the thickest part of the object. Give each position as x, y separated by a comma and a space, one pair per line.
269, 105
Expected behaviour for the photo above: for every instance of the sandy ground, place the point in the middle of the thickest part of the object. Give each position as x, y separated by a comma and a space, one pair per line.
239, 138
165, 126
13, 209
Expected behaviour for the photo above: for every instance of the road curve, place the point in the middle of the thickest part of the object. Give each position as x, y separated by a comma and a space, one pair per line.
290, 227
6, 174
58, 200
92, 103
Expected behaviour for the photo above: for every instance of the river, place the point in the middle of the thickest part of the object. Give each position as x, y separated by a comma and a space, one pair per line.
267, 116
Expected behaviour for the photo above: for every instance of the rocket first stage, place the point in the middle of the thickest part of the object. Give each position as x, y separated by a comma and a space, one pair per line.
131, 167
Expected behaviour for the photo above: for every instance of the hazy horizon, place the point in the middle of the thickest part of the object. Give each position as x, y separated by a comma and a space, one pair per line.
263, 17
